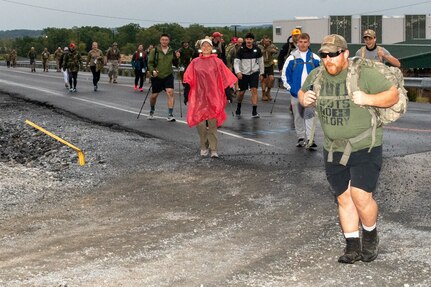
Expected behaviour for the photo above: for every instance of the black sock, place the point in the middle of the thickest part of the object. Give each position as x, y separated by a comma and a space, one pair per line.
254, 110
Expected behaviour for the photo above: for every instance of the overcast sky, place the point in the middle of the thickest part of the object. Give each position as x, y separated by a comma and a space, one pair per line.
31, 14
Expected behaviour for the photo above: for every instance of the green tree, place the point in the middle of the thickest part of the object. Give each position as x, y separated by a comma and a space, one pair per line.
126, 34
127, 37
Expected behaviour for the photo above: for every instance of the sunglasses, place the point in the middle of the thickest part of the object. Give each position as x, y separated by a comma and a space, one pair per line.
323, 55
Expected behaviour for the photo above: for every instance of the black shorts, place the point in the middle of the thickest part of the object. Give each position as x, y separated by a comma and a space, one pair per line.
269, 71
362, 170
158, 84
247, 81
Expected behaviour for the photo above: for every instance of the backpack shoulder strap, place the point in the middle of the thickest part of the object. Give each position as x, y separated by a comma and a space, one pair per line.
316, 85
362, 52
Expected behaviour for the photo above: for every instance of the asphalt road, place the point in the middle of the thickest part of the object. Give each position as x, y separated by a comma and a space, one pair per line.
245, 138
262, 215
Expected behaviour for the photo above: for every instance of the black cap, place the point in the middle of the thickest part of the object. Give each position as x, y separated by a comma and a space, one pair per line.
249, 35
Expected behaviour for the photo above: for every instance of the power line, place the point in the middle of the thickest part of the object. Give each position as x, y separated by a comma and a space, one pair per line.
123, 18
394, 8
182, 22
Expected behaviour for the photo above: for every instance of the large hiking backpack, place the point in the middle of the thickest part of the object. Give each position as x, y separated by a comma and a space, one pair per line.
394, 75
380, 116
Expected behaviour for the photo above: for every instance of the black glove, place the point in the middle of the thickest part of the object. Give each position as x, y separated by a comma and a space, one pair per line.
229, 93
186, 93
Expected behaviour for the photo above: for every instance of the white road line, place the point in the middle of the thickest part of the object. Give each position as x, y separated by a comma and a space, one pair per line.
120, 109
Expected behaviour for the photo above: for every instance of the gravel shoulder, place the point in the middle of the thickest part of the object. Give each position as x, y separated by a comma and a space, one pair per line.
145, 212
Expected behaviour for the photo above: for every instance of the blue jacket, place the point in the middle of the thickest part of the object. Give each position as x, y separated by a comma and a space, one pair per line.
293, 67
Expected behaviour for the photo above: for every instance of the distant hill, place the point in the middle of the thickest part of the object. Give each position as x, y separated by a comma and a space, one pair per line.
12, 34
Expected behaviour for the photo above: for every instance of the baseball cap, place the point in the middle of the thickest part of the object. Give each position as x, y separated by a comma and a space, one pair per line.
369, 33
234, 40
217, 34
333, 43
72, 45
296, 32
205, 40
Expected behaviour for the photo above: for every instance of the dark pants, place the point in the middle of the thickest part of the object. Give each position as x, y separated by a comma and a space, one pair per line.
96, 75
139, 77
73, 76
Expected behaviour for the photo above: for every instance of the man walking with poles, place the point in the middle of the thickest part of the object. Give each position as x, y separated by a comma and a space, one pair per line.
160, 63
295, 70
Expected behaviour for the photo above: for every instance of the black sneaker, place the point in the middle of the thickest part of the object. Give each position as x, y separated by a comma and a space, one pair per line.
170, 118
311, 146
300, 143
151, 116
255, 116
352, 252
370, 245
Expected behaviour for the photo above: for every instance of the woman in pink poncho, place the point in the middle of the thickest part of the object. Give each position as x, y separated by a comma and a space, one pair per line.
208, 78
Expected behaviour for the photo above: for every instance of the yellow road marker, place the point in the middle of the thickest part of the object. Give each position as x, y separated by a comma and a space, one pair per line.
81, 157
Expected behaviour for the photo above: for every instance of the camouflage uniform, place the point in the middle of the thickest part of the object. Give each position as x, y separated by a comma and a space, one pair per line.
113, 57
45, 58
57, 55
72, 62
32, 56
12, 58
95, 61
268, 50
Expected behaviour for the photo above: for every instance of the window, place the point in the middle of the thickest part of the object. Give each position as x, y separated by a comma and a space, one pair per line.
415, 27
278, 31
373, 22
341, 25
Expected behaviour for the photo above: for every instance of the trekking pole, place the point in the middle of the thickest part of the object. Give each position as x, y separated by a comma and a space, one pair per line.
231, 108
275, 98
179, 92
149, 89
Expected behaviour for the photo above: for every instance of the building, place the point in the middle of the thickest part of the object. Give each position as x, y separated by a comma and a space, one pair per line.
407, 37
389, 29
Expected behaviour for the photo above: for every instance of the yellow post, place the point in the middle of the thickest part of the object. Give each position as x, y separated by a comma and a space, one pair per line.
81, 157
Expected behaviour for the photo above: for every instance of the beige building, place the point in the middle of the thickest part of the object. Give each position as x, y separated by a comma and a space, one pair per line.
389, 29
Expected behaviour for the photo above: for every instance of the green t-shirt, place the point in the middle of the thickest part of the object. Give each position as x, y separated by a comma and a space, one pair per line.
340, 118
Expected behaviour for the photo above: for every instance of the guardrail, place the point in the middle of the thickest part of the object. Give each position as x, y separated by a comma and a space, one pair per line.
423, 83
126, 70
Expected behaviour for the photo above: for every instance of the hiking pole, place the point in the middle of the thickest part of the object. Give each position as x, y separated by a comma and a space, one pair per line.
179, 92
275, 98
149, 89
231, 108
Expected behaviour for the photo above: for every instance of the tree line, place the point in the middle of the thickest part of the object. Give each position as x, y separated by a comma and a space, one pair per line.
128, 37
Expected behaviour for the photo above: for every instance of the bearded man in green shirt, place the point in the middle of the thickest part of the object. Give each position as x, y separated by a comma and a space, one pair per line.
342, 117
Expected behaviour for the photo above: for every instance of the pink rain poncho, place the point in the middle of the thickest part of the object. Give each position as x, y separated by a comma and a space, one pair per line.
208, 77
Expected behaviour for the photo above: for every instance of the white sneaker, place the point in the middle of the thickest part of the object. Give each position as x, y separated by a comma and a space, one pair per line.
255, 116
151, 116
214, 154
171, 118
204, 152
